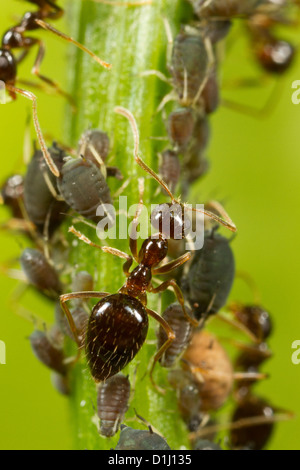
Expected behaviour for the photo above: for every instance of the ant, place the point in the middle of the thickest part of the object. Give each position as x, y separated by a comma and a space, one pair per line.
118, 323
15, 38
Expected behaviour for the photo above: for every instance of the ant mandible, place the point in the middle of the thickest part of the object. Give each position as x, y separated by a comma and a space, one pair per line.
118, 323
15, 38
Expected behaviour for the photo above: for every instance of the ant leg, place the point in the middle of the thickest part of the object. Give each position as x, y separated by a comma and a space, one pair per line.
36, 71
172, 264
77, 295
242, 423
129, 116
133, 239
170, 335
179, 296
237, 326
106, 249
27, 94
50, 28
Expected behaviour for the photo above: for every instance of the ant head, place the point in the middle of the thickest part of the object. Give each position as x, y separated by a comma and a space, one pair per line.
170, 220
8, 67
276, 56
153, 251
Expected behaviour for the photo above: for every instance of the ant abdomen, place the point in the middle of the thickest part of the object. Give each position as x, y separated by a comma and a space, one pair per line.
116, 331
112, 403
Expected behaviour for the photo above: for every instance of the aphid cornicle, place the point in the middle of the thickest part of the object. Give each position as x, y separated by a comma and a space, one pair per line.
41, 194
136, 439
112, 403
209, 279
15, 38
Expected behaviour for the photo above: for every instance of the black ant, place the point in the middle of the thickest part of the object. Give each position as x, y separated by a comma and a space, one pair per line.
15, 38
118, 323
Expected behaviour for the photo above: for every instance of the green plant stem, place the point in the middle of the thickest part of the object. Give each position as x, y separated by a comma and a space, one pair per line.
133, 40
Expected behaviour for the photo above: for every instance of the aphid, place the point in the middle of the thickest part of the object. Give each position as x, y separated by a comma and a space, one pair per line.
112, 403
43, 205
204, 444
61, 383
136, 439
15, 38
78, 174
12, 192
194, 161
211, 368
224, 8
170, 168
40, 273
176, 319
180, 127
47, 352
215, 30
188, 398
210, 276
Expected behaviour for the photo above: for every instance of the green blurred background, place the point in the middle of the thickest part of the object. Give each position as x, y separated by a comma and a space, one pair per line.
255, 170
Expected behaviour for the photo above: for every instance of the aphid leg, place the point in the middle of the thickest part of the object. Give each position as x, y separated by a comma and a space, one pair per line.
129, 116
96, 155
209, 68
77, 295
179, 296
27, 94
15, 306
106, 249
170, 335
36, 71
133, 239
50, 28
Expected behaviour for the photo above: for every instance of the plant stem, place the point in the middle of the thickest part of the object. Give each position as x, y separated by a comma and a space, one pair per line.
133, 40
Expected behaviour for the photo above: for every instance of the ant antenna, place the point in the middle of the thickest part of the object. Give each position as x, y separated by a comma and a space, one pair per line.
27, 94
227, 222
50, 28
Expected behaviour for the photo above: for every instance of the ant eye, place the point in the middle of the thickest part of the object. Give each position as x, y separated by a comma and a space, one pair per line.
171, 221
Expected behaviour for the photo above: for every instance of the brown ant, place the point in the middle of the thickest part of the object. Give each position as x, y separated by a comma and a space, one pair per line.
118, 323
15, 38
